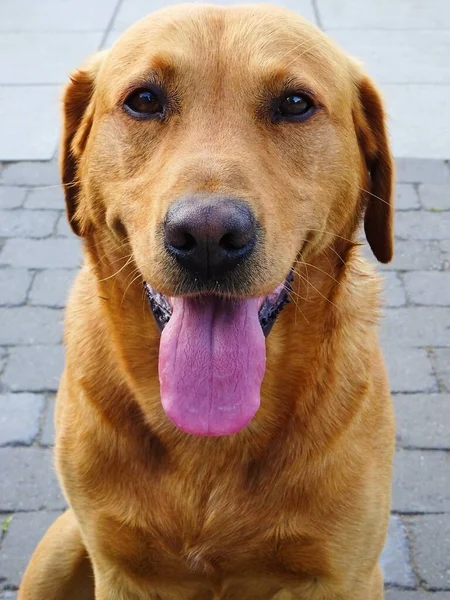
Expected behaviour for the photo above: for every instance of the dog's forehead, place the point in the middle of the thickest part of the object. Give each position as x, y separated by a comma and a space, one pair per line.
258, 38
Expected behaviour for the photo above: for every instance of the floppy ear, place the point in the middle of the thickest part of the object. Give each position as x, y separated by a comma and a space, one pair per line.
78, 110
370, 123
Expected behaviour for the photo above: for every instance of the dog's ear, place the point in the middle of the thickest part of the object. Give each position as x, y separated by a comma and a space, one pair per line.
78, 111
370, 124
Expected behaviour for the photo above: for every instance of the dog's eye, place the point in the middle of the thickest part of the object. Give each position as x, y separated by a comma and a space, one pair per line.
295, 106
144, 103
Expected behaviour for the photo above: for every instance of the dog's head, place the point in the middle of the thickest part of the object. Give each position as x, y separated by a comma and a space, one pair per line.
220, 145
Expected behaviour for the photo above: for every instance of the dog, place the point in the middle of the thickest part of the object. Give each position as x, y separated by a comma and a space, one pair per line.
214, 440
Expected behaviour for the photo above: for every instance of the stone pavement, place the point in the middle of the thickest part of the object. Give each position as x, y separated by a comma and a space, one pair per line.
405, 44
38, 259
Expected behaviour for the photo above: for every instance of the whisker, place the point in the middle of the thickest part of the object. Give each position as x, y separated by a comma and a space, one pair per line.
375, 196
128, 287
125, 242
117, 272
296, 294
73, 183
321, 231
318, 269
297, 47
296, 304
318, 291
321, 41
338, 255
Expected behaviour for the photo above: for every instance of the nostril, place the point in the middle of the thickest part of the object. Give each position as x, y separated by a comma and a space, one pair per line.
230, 242
179, 238
209, 237
235, 240
189, 243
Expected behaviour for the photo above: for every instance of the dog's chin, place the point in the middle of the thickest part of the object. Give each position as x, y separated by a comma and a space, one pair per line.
212, 356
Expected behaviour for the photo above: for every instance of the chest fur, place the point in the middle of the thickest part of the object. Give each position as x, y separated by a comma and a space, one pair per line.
211, 533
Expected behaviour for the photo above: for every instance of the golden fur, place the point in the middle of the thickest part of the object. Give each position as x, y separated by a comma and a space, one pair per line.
296, 505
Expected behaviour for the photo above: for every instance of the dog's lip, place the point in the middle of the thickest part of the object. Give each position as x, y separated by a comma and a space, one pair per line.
269, 306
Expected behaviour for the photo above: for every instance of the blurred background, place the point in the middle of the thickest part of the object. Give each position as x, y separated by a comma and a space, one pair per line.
405, 46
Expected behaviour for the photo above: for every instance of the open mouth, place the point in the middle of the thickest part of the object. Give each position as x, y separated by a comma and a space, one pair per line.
212, 357
270, 307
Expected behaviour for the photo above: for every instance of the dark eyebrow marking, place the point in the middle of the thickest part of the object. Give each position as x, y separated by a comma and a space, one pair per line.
161, 76
282, 82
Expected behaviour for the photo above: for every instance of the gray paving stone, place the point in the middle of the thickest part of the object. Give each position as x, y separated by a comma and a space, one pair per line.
63, 228
421, 481
112, 37
406, 197
435, 197
27, 223
395, 559
132, 10
22, 135
44, 197
411, 595
53, 15
11, 197
20, 418
445, 245
415, 132
54, 55
3, 359
445, 248
48, 429
28, 480
34, 368
24, 534
423, 420
416, 326
394, 292
50, 287
410, 369
428, 288
14, 284
42, 254
422, 225
441, 360
417, 170
30, 325
43, 173
430, 536
415, 255
397, 56
386, 14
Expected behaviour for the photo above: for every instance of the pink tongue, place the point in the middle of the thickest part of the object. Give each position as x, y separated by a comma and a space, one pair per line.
211, 364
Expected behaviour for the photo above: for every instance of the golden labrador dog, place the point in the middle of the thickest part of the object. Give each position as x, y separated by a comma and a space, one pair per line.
214, 442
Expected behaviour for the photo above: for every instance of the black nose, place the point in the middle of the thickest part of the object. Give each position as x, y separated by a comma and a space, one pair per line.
209, 236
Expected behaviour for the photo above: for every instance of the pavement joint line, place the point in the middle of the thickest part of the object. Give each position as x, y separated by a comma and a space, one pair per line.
399, 277
400, 513
56, 225
431, 357
34, 273
317, 14
110, 24
16, 511
423, 449
42, 419
412, 557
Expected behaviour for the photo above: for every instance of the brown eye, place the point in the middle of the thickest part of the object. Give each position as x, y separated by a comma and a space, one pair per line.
295, 106
144, 103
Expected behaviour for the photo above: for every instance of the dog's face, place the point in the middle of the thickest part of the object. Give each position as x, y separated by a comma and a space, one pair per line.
222, 144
